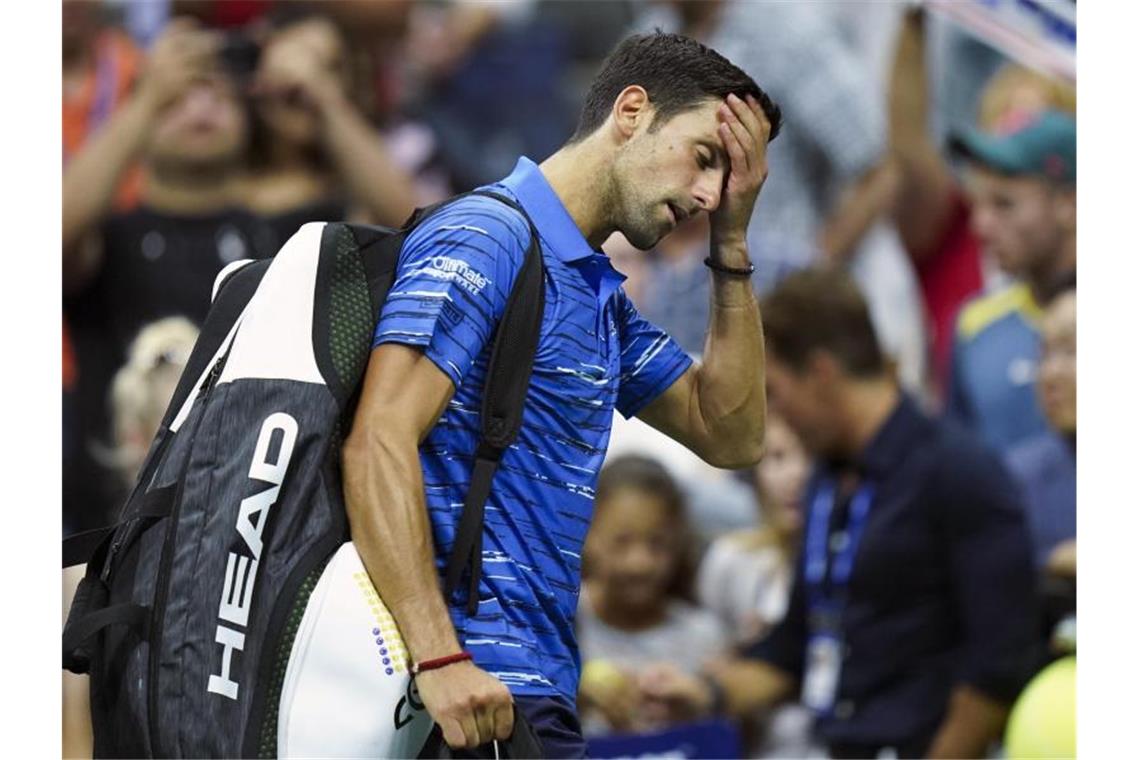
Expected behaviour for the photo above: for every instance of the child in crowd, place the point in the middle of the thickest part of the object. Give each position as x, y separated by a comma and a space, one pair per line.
746, 576
633, 608
314, 156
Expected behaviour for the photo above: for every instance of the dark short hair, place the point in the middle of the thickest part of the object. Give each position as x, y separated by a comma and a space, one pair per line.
677, 72
821, 310
644, 474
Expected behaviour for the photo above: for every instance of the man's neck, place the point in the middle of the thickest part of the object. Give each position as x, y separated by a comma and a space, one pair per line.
187, 194
867, 404
573, 174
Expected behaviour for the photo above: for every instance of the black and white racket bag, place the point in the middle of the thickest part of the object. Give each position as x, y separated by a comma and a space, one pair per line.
227, 614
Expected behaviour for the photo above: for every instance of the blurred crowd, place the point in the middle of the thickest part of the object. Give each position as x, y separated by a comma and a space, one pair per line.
915, 248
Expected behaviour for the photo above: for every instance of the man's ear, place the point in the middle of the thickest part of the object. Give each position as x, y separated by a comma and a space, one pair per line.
631, 109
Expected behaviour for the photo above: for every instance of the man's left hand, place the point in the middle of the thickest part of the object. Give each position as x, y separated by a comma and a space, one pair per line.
743, 131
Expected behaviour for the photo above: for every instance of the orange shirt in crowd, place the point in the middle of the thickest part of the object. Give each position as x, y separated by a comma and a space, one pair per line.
107, 84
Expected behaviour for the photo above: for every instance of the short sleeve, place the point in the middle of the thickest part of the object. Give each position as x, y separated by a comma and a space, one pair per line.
453, 280
651, 361
990, 553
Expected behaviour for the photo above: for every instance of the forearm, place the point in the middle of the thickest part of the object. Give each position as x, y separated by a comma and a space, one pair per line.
750, 686
972, 722
926, 194
374, 181
730, 379
908, 100
384, 496
92, 176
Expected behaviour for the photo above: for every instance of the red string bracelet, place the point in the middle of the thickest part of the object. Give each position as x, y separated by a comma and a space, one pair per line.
439, 662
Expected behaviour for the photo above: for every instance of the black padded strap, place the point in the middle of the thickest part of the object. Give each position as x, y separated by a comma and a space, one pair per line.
504, 394
233, 295
467, 551
79, 548
516, 341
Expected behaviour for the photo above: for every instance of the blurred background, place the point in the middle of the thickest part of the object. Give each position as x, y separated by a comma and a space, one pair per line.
201, 132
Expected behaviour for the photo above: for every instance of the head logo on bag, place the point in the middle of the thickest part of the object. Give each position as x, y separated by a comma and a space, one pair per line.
241, 569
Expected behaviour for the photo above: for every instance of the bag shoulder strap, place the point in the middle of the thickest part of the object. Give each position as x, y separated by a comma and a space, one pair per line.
504, 395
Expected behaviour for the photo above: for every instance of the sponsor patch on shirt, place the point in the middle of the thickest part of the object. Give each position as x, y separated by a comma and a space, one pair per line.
457, 271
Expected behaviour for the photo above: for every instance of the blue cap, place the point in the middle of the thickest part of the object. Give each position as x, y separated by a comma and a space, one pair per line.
1045, 146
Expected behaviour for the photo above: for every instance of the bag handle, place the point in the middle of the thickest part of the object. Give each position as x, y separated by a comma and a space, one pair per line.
522, 743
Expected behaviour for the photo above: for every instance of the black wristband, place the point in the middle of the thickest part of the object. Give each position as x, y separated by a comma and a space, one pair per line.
730, 270
717, 691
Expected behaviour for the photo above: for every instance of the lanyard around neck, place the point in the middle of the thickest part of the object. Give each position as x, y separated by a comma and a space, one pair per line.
817, 549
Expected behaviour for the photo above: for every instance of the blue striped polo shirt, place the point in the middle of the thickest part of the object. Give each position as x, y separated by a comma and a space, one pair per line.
595, 354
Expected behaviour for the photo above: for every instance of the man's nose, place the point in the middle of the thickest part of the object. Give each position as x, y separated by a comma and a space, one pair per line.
707, 191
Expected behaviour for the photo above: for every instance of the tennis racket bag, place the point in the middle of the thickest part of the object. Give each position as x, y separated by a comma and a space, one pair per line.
206, 618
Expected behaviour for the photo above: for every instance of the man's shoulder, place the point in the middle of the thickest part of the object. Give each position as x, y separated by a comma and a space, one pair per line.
963, 462
479, 215
988, 310
954, 440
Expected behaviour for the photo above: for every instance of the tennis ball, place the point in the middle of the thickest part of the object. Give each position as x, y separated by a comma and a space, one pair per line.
1043, 722
603, 674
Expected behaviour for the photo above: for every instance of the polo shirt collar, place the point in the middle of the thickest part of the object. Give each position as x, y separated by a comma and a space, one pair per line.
558, 231
546, 210
894, 439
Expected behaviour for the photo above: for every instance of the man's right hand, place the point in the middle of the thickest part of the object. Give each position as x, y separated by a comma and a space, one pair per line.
471, 706
183, 53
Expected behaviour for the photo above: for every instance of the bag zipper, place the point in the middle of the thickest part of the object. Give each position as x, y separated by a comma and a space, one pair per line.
158, 613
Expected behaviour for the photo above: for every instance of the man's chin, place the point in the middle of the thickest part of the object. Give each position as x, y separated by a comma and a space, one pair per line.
644, 242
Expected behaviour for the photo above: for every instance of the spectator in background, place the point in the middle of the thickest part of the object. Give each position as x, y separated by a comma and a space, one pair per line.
911, 622
932, 213
122, 271
1046, 465
1022, 188
486, 108
745, 576
633, 608
100, 65
834, 181
314, 156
